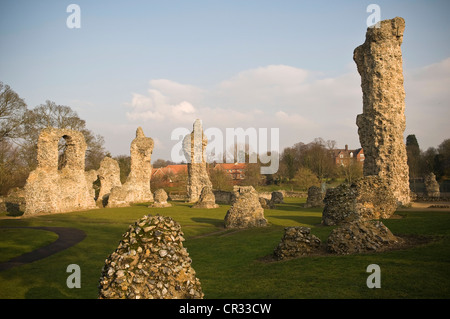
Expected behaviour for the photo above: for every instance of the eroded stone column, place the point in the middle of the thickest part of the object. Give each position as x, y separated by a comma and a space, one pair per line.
109, 175
136, 188
382, 123
194, 146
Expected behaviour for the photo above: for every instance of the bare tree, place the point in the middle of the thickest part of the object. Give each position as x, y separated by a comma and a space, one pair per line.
318, 159
12, 109
220, 179
59, 116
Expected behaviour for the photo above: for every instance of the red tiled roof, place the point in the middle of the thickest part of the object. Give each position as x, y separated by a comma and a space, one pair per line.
231, 165
174, 169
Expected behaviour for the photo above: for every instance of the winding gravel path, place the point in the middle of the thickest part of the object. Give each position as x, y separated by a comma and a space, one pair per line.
67, 237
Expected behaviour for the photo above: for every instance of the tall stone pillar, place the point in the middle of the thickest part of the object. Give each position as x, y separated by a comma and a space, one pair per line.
382, 123
194, 146
136, 188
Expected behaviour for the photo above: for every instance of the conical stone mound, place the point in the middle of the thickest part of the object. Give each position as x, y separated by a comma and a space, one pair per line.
150, 263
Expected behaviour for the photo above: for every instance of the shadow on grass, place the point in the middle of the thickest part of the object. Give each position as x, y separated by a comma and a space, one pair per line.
14, 209
299, 207
212, 221
44, 293
308, 220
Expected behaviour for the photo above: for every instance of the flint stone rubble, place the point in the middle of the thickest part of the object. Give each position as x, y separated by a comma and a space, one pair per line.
150, 263
266, 203
160, 199
367, 198
361, 236
207, 199
14, 202
136, 188
315, 197
375, 198
246, 210
223, 197
340, 205
52, 190
431, 186
382, 123
109, 176
297, 241
277, 197
268, 200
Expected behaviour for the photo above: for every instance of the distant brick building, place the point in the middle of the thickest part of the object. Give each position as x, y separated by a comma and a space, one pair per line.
170, 172
235, 170
345, 156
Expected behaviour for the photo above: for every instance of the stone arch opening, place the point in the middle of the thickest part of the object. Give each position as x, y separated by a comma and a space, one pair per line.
62, 156
60, 182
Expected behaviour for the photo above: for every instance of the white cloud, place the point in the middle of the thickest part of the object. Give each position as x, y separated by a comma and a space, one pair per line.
303, 104
427, 103
269, 86
164, 101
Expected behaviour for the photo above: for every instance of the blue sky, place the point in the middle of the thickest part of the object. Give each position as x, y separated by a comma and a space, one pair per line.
161, 64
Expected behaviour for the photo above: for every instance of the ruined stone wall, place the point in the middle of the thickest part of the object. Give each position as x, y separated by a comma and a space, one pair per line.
315, 197
431, 186
367, 198
207, 199
194, 146
52, 190
109, 175
246, 210
136, 188
223, 197
382, 123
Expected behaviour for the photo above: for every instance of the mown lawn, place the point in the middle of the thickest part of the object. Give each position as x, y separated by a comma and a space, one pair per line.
232, 264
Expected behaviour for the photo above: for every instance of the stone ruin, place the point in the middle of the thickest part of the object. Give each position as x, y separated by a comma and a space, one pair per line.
357, 236
367, 198
53, 189
385, 184
160, 199
246, 210
431, 186
60, 183
382, 123
150, 263
207, 199
194, 147
109, 176
269, 203
266, 203
277, 197
315, 197
14, 202
223, 197
361, 236
136, 188
297, 241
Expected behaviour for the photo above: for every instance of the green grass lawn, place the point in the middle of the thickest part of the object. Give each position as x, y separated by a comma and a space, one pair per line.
231, 264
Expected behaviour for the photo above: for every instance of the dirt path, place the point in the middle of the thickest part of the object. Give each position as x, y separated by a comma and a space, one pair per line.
67, 237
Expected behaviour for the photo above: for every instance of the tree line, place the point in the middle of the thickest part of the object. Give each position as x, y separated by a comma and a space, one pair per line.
20, 127
432, 160
300, 167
